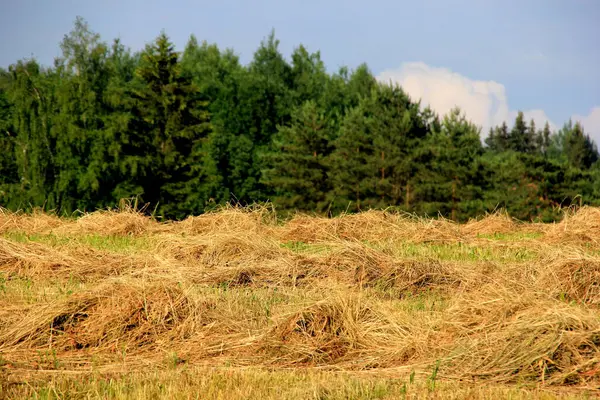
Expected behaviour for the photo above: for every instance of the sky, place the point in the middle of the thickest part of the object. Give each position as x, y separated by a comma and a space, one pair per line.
489, 57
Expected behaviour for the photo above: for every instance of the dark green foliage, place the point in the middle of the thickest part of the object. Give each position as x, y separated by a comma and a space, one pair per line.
452, 179
185, 132
31, 94
9, 172
372, 164
498, 139
579, 148
78, 128
170, 112
520, 139
299, 161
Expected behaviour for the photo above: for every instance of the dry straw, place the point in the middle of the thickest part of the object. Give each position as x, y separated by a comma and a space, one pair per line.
239, 285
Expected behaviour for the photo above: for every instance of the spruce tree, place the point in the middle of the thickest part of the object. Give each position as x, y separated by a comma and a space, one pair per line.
352, 173
545, 138
129, 151
226, 156
498, 139
174, 117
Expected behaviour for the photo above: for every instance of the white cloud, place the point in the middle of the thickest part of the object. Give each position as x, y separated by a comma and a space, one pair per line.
591, 123
484, 102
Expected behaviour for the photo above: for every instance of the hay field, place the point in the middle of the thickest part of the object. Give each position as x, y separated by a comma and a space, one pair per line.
236, 304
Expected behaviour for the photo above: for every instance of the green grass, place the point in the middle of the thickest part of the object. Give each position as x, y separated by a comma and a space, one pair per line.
463, 252
228, 383
426, 251
301, 247
114, 243
423, 303
512, 236
18, 289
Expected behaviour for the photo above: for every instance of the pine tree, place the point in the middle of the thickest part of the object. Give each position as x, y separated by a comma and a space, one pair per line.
451, 179
308, 76
372, 162
360, 84
519, 138
580, 150
532, 135
270, 83
298, 165
264, 101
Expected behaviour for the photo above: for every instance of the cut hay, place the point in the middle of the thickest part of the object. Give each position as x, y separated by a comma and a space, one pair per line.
378, 291
115, 315
497, 223
368, 267
581, 226
36, 222
36, 259
370, 225
109, 223
228, 219
573, 279
235, 260
509, 336
341, 330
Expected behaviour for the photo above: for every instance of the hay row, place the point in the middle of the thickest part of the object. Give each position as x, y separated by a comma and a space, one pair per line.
580, 226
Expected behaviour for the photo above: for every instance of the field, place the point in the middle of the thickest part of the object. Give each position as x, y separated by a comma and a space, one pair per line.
237, 304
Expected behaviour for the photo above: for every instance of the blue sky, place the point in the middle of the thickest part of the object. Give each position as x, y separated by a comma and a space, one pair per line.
491, 57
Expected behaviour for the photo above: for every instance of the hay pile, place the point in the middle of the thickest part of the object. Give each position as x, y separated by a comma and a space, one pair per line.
345, 331
36, 222
510, 336
577, 227
36, 260
370, 225
490, 225
239, 287
132, 314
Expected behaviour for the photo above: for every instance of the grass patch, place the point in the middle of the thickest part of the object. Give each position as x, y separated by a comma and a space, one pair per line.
463, 252
511, 236
114, 243
228, 383
441, 251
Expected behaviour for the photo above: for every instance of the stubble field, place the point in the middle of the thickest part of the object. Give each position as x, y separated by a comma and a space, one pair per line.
236, 304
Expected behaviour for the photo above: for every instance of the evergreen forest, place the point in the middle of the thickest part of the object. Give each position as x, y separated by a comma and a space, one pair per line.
185, 132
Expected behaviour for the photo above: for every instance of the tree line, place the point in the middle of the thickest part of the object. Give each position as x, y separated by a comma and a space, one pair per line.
187, 131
